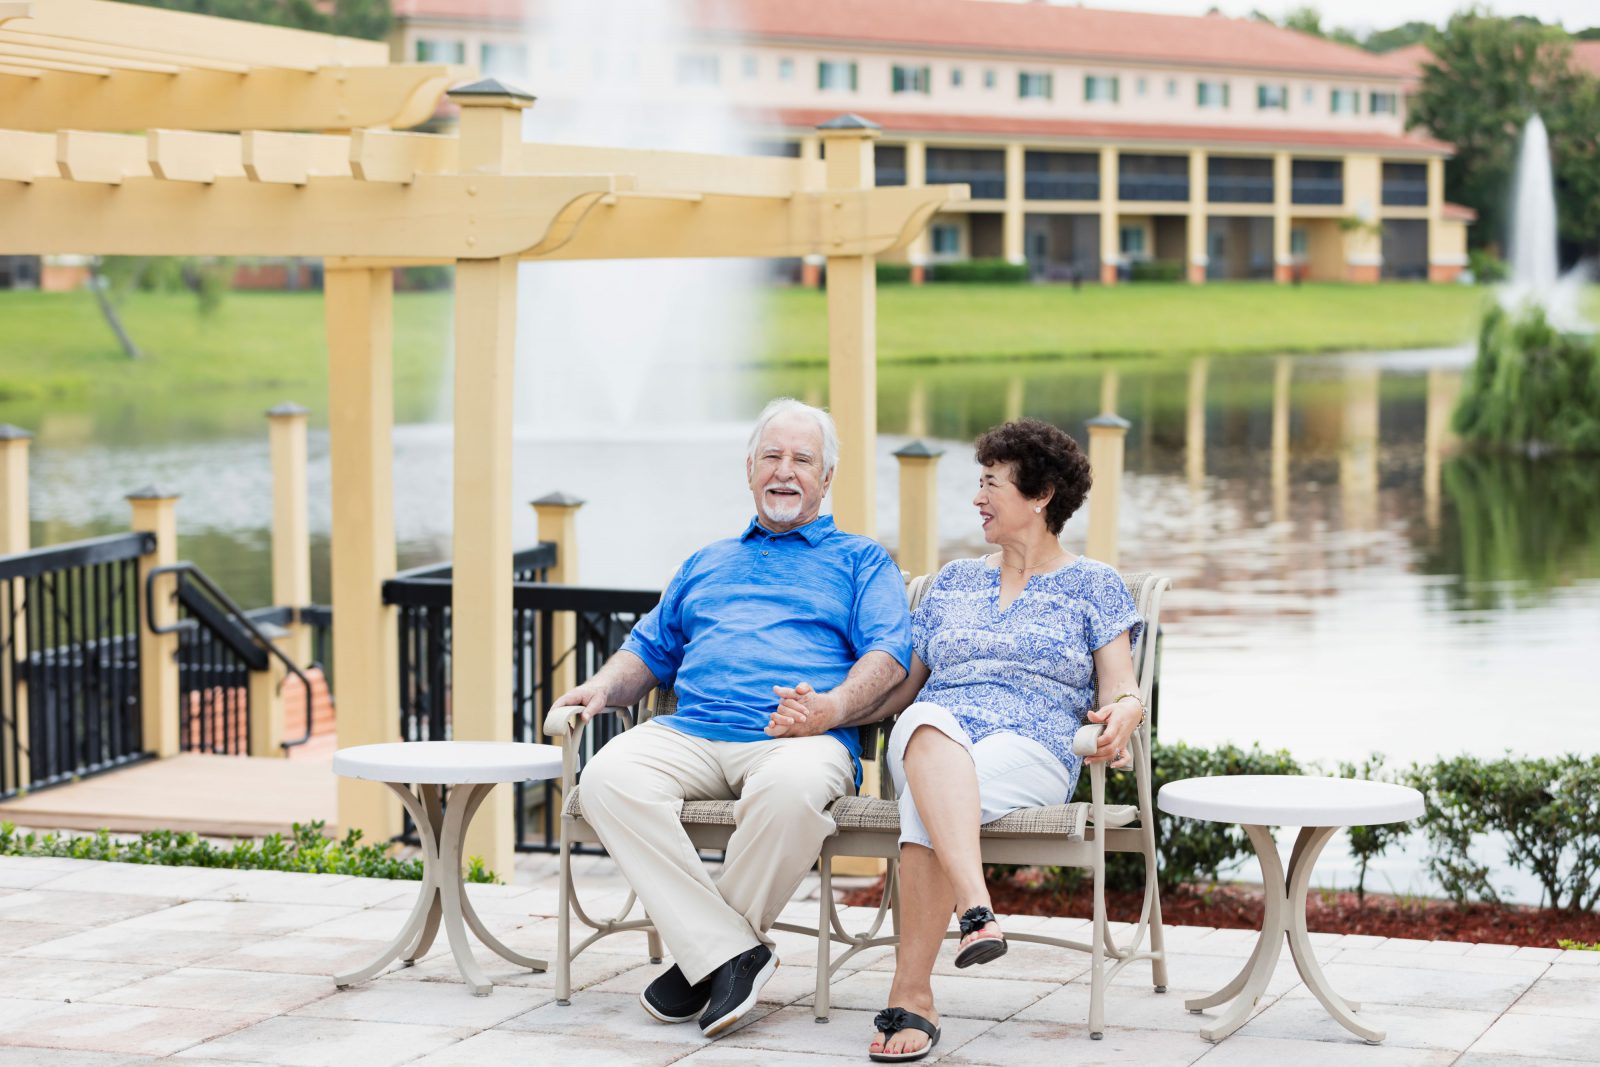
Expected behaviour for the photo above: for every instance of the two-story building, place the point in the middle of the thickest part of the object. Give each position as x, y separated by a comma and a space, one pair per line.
1093, 141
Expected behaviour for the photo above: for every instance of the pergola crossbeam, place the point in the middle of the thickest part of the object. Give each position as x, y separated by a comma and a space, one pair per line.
293, 158
101, 158
76, 58
187, 156
26, 156
97, 49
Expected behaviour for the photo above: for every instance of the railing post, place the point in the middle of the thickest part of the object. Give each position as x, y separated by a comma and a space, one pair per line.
485, 372
291, 528
14, 538
1107, 434
558, 523
266, 711
155, 511
919, 508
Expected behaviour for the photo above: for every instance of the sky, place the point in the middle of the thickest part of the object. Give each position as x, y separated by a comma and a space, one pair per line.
1376, 14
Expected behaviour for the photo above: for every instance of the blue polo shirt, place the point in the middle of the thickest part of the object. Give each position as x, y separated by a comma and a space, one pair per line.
765, 609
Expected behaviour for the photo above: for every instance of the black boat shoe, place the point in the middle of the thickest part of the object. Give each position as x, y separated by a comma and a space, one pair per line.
734, 988
671, 999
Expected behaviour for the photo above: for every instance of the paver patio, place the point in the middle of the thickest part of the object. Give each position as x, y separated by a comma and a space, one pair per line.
111, 965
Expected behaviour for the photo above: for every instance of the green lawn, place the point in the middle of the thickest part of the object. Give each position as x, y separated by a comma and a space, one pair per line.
56, 345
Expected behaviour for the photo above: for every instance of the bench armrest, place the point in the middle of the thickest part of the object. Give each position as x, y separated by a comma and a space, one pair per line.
1084, 741
563, 721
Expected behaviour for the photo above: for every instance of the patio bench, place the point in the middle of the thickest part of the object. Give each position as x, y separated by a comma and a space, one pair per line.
1077, 834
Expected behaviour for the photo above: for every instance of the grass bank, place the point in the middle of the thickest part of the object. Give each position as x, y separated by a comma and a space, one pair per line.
56, 344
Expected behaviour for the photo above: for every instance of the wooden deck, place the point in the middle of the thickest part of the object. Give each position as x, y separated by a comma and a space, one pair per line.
218, 796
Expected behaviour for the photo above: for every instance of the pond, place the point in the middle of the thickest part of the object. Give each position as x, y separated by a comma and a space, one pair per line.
1344, 582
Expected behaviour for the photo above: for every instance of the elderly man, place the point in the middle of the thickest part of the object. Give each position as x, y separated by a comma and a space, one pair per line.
741, 625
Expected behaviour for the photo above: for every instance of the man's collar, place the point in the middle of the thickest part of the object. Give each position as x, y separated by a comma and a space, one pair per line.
815, 531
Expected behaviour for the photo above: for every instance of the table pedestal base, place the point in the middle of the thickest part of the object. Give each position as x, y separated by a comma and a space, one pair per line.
1286, 916
443, 897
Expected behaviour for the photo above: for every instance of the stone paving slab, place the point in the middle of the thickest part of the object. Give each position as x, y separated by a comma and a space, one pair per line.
106, 965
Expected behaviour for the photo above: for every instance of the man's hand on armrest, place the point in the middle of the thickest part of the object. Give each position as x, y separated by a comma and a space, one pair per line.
622, 682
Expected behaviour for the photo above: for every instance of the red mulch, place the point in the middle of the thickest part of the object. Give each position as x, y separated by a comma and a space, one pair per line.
1240, 907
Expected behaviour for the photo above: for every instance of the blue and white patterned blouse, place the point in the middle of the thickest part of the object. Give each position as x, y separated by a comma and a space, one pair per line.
1028, 669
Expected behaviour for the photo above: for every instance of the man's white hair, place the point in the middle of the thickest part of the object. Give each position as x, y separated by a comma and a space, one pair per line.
786, 405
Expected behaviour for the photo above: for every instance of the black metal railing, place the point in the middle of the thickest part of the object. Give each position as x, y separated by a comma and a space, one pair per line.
1061, 186
1239, 189
70, 701
1154, 187
220, 645
603, 618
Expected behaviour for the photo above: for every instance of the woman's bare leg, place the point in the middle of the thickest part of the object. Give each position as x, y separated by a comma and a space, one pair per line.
926, 901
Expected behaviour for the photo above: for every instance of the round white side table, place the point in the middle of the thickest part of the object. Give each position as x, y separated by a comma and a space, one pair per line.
1320, 807
472, 769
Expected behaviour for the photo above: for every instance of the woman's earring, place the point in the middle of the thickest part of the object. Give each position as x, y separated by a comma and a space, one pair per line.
1037, 510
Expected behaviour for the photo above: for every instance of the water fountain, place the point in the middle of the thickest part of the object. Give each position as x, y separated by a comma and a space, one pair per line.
1535, 273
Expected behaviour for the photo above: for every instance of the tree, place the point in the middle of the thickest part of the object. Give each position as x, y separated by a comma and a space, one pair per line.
348, 18
1487, 77
1407, 33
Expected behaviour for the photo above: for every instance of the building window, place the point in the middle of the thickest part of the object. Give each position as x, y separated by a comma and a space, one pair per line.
786, 70
698, 69
946, 239
956, 77
1172, 86
1035, 85
1344, 101
1130, 240
1382, 104
990, 78
499, 60
1298, 244
903, 79
1309, 96
1272, 98
836, 75
1099, 87
1143, 85
440, 51
751, 67
1211, 94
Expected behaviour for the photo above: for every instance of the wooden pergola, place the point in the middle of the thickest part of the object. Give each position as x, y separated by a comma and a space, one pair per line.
127, 130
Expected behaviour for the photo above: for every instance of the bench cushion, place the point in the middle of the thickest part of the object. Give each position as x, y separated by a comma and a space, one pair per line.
872, 813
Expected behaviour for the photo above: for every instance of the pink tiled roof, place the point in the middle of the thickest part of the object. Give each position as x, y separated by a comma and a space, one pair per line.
980, 125
988, 26
1458, 212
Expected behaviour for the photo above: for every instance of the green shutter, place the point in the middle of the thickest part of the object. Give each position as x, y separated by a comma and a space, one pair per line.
1115, 89
1224, 94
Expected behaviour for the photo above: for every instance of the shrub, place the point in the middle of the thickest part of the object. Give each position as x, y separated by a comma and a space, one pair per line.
1548, 810
894, 273
1487, 268
1532, 387
426, 278
309, 851
982, 271
1156, 270
1367, 843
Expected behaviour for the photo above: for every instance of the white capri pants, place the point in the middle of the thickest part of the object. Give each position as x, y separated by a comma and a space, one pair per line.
1013, 771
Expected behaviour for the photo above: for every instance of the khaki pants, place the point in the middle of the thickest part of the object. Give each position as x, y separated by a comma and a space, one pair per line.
633, 792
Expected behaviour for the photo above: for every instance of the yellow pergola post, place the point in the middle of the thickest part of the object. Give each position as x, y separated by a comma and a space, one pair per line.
558, 523
919, 508
1107, 434
486, 321
359, 304
291, 525
14, 538
916, 176
853, 334
155, 511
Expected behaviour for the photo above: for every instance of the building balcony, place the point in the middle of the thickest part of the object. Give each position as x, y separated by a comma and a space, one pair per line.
889, 176
1239, 190
986, 185
1405, 194
1153, 187
1061, 187
1317, 191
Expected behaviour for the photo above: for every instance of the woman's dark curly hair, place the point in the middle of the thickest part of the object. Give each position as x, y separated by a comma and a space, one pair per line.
1042, 458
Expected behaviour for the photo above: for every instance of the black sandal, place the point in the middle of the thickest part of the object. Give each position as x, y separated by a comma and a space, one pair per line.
985, 949
891, 1021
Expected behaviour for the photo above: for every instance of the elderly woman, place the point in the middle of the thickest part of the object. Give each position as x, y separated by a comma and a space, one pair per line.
1007, 650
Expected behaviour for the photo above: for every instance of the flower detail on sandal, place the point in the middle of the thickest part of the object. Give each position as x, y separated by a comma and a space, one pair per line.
984, 949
